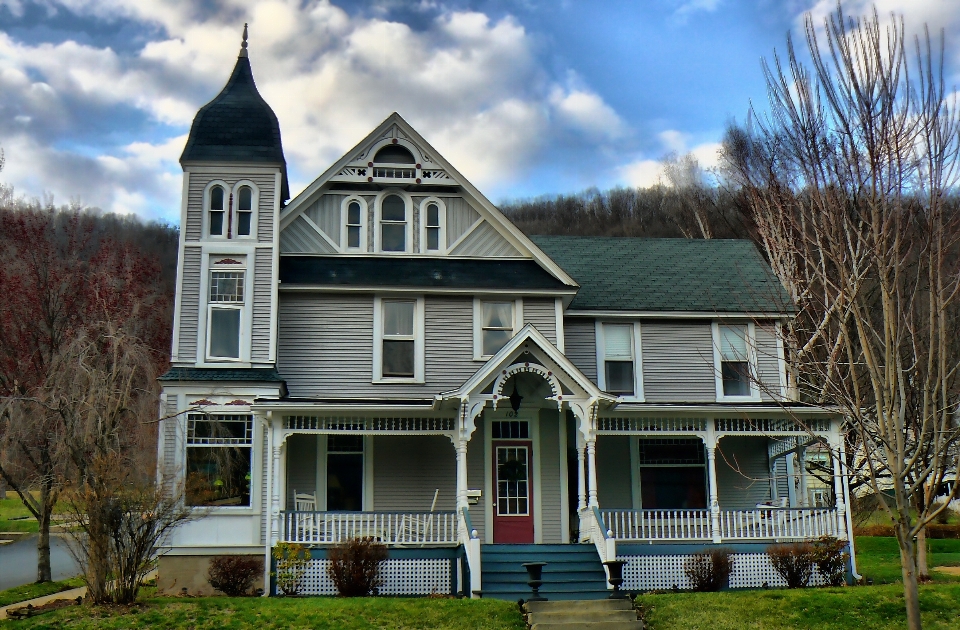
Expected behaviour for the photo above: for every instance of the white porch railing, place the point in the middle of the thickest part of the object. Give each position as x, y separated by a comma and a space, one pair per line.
792, 523
392, 528
658, 524
758, 524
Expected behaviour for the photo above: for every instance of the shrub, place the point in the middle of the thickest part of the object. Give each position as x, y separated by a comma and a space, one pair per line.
291, 567
709, 570
234, 575
831, 559
793, 562
355, 566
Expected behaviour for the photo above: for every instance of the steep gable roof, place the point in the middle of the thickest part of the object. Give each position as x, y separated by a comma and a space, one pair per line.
667, 274
487, 210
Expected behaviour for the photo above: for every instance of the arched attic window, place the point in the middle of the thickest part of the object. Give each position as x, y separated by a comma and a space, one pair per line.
394, 154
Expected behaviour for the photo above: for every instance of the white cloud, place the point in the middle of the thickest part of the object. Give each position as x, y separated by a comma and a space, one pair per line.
642, 173
471, 85
689, 7
646, 172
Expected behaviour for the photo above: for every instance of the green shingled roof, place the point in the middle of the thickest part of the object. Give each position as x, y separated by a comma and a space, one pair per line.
248, 375
667, 274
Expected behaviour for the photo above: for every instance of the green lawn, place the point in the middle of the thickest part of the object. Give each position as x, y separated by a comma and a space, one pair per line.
224, 613
14, 516
877, 607
30, 591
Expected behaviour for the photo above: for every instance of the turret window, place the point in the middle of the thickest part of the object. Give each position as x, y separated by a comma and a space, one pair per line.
216, 212
244, 210
225, 314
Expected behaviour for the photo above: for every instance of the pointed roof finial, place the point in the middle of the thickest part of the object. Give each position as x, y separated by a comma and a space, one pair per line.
243, 45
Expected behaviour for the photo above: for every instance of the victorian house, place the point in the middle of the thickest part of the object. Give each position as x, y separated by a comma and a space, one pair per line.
386, 355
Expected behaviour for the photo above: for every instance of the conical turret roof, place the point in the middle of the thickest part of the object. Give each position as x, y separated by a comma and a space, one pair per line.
237, 126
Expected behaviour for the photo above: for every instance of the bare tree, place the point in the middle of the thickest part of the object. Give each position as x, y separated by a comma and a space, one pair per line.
850, 180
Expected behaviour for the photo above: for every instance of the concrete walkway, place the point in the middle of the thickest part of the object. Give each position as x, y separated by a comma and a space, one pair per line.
73, 593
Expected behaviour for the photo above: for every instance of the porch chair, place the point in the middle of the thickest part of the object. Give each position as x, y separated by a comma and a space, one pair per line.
307, 530
414, 529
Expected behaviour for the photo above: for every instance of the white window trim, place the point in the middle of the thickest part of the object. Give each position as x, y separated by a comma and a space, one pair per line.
418, 340
751, 341
363, 224
478, 322
255, 462
206, 210
255, 209
637, 360
423, 226
203, 326
408, 205
321, 473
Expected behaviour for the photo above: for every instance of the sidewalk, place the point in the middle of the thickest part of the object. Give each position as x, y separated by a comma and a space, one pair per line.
73, 593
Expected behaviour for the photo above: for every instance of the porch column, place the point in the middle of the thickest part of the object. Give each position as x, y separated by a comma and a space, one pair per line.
839, 485
802, 461
461, 473
581, 475
277, 486
710, 442
592, 464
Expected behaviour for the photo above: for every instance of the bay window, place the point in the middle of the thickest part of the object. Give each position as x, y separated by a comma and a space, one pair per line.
219, 460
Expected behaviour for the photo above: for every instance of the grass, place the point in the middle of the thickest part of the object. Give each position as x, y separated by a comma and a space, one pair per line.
228, 613
14, 516
878, 607
30, 591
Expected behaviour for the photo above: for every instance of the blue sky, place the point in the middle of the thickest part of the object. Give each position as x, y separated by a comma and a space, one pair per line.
525, 97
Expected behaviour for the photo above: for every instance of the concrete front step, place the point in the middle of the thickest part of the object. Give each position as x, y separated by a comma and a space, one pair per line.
607, 614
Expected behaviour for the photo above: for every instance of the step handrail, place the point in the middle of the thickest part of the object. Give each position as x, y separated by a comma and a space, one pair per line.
603, 540
471, 545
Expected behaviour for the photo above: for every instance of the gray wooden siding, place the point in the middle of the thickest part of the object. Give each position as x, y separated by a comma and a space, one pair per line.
299, 237
460, 216
485, 240
551, 470
543, 315
325, 345
193, 230
678, 362
614, 477
476, 463
743, 472
301, 467
768, 364
265, 181
262, 291
580, 345
189, 304
168, 435
407, 470
325, 212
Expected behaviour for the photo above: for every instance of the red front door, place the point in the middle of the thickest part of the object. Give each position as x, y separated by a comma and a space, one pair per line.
513, 483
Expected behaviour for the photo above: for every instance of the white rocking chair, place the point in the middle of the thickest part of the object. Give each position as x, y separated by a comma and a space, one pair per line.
417, 529
306, 524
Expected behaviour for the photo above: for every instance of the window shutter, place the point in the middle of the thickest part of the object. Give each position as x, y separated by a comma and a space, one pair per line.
618, 341
733, 343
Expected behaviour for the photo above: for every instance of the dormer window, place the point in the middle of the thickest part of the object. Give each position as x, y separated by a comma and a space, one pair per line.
244, 210
216, 211
393, 224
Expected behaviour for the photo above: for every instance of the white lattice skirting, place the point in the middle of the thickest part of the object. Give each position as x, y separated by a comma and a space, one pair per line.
750, 570
400, 577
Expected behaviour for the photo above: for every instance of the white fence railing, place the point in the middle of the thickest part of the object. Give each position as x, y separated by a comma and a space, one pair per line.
658, 524
792, 523
758, 524
392, 528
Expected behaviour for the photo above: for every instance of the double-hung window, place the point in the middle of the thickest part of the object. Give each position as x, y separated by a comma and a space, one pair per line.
225, 314
393, 224
399, 346
244, 210
497, 326
353, 225
618, 359
432, 218
735, 370
219, 460
217, 210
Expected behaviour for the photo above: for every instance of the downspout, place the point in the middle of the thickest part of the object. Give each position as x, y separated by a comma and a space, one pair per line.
268, 534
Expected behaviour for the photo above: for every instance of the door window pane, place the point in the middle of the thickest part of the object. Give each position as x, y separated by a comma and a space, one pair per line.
345, 482
512, 481
225, 333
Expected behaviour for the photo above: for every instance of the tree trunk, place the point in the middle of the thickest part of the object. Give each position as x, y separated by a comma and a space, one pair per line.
923, 569
44, 574
911, 594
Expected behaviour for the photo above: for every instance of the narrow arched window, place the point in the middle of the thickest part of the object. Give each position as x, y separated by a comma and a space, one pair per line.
354, 225
244, 210
215, 219
432, 227
393, 224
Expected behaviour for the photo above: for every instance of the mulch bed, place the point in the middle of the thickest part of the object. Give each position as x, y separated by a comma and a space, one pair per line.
31, 611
